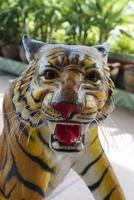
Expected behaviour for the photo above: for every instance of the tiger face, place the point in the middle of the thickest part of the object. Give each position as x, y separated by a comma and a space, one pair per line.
66, 87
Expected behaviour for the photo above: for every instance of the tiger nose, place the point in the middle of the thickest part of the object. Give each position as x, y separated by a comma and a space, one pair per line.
67, 109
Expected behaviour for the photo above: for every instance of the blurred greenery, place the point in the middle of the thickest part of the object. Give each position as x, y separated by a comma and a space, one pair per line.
85, 22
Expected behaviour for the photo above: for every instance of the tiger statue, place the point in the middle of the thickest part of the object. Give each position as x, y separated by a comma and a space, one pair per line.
51, 115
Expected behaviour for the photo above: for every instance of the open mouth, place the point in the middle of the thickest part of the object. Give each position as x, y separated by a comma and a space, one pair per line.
67, 137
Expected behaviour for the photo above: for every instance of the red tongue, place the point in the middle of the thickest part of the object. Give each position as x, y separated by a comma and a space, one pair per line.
67, 134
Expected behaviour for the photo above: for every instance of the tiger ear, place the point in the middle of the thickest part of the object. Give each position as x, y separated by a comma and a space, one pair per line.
31, 46
103, 49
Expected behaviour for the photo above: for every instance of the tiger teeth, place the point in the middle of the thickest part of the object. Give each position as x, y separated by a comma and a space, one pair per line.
84, 128
55, 145
80, 147
52, 126
68, 124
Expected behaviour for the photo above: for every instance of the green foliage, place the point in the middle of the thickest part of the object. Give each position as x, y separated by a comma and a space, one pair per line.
10, 25
124, 45
74, 21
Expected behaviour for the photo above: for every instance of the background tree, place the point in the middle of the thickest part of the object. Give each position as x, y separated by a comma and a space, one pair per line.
74, 22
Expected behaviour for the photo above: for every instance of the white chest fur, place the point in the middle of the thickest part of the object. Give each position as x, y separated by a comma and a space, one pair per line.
63, 163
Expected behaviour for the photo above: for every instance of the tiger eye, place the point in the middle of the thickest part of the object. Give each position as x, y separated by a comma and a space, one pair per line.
50, 74
93, 76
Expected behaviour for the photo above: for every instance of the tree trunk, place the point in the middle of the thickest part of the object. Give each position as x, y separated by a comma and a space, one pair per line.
50, 33
101, 35
84, 37
80, 35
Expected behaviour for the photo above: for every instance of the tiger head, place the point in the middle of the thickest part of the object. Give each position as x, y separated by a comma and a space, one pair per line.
67, 87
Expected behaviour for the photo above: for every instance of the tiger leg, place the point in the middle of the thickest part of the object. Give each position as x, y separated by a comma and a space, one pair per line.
2, 195
18, 186
23, 175
96, 171
2, 164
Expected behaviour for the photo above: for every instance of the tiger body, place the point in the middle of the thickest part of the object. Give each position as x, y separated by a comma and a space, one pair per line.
50, 118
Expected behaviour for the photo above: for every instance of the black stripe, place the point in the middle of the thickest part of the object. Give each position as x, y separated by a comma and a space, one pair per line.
42, 139
86, 56
36, 159
20, 98
34, 112
91, 164
27, 105
9, 175
67, 150
1, 191
2, 166
55, 53
110, 193
26, 183
94, 139
54, 66
6, 116
26, 120
104, 116
92, 65
39, 99
97, 184
23, 98
9, 193
56, 56
7, 196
